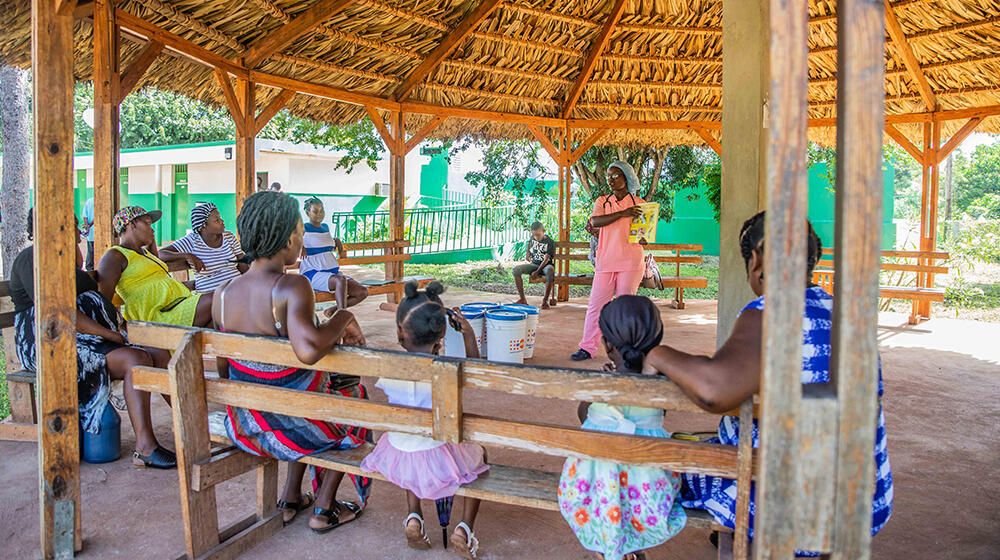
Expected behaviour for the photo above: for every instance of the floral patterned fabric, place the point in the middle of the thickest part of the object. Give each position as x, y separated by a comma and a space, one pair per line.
615, 509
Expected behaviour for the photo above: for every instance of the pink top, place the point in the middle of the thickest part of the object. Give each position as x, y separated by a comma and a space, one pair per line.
614, 252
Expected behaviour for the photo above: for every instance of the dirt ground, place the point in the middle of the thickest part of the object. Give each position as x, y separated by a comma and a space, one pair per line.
942, 382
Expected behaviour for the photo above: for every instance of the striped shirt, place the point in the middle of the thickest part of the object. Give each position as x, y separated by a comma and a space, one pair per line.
320, 250
219, 261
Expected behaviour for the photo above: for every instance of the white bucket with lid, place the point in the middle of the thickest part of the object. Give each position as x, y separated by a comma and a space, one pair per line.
531, 326
482, 307
506, 330
454, 342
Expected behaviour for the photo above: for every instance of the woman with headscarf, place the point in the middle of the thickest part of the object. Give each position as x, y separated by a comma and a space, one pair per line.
619, 264
209, 249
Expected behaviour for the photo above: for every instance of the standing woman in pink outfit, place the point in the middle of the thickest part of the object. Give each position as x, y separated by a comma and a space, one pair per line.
619, 265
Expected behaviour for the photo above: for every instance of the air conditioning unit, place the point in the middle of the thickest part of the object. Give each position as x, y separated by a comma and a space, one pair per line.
381, 189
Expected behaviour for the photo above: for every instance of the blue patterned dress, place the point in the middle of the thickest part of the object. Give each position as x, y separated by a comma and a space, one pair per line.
718, 495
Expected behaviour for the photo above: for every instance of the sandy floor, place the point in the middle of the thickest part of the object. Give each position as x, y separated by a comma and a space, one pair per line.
942, 383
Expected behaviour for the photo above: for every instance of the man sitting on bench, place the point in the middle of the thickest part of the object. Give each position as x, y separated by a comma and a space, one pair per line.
539, 251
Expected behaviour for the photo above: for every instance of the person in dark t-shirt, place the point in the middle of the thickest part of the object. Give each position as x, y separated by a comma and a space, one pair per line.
540, 252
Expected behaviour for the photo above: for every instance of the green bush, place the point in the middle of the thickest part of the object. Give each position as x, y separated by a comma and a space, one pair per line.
977, 241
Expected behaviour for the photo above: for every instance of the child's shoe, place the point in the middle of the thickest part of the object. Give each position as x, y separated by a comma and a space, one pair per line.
465, 546
415, 538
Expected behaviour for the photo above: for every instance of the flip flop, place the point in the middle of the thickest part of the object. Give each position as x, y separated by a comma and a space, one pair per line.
304, 502
333, 516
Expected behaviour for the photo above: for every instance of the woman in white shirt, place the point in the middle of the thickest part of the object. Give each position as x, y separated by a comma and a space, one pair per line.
209, 249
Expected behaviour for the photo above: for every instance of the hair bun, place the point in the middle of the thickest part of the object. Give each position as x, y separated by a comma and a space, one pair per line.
410, 289
434, 289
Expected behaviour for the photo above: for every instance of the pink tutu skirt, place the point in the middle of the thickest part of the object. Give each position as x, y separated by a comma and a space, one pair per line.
432, 473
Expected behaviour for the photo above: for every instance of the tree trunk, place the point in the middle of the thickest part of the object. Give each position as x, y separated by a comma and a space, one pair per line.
581, 173
658, 157
948, 178
16, 137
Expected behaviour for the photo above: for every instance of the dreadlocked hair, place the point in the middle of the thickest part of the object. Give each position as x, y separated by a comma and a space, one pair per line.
752, 238
632, 325
265, 223
421, 313
309, 202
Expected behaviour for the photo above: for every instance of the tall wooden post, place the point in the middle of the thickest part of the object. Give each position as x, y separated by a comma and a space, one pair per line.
106, 137
565, 209
928, 223
246, 179
55, 265
397, 194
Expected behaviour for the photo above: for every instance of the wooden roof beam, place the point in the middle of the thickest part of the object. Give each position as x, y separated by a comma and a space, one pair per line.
710, 140
957, 138
595, 52
450, 42
201, 55
232, 103
281, 37
391, 141
909, 59
554, 152
587, 144
428, 128
904, 142
131, 76
276, 104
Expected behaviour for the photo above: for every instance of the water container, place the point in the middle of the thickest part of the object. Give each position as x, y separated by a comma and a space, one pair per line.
454, 342
106, 445
483, 307
506, 328
531, 326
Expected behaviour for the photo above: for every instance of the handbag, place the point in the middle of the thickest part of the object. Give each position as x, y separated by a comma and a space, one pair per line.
651, 276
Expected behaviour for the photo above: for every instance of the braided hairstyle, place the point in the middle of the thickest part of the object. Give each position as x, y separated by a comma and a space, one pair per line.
631, 325
309, 202
752, 237
265, 223
422, 313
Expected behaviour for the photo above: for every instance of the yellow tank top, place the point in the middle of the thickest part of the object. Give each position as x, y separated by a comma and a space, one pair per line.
149, 293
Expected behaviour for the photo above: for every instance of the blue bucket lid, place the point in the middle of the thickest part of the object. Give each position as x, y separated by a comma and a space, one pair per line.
528, 309
473, 313
506, 315
480, 306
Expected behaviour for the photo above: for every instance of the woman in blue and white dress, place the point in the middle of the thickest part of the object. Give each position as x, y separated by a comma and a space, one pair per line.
732, 375
319, 263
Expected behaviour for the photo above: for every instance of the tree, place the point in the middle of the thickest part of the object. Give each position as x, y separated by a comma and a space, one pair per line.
14, 183
514, 163
976, 177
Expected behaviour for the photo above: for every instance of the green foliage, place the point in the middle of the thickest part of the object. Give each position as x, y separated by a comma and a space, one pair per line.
514, 163
979, 241
986, 206
976, 177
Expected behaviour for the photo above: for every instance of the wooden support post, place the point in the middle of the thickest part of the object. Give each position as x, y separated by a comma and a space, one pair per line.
929, 242
246, 180
565, 207
397, 195
925, 184
106, 137
854, 358
778, 488
55, 271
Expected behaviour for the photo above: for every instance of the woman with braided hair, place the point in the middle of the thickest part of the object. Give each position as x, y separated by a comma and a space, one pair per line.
270, 230
619, 510
732, 375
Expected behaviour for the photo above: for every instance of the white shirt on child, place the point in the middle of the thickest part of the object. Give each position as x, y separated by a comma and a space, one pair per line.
408, 393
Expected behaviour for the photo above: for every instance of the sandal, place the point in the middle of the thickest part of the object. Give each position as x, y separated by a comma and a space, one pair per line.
294, 508
415, 539
160, 458
333, 516
469, 546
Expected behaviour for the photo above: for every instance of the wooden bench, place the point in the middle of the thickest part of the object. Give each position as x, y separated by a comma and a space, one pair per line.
920, 290
200, 467
565, 254
22, 425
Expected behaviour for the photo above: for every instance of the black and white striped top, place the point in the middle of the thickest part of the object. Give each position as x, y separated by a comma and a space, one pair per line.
219, 261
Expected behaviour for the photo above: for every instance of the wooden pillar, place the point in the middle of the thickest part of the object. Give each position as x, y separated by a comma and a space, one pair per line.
744, 96
929, 218
854, 358
397, 194
106, 137
246, 179
55, 270
565, 209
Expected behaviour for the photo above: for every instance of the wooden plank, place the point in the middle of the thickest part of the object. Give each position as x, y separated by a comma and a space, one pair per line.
387, 137
550, 148
957, 138
446, 397
267, 489
197, 53
644, 125
854, 344
450, 42
428, 128
937, 255
667, 281
224, 464
186, 382
246, 178
232, 103
744, 458
593, 54
657, 258
246, 539
421, 108
375, 259
648, 247
710, 140
23, 408
18, 431
587, 144
55, 305
817, 453
785, 269
397, 200
320, 90
914, 268
912, 294
904, 142
284, 35
909, 59
137, 68
106, 136
276, 104
375, 245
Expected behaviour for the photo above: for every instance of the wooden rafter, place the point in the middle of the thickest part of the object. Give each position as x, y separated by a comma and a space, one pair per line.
281, 37
131, 76
199, 54
276, 104
546, 143
595, 52
710, 140
423, 132
587, 144
909, 59
450, 42
904, 142
957, 138
232, 103
390, 140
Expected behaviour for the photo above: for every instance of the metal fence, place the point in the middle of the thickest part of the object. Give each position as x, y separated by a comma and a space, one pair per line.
434, 230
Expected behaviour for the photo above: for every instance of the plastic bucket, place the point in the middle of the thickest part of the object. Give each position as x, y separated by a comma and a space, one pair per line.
454, 342
531, 326
106, 445
505, 341
481, 307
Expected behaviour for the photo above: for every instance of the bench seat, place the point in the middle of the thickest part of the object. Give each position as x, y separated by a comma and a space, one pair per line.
22, 376
911, 293
666, 281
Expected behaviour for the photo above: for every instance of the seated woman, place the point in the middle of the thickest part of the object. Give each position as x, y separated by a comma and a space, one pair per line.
209, 249
723, 381
102, 354
270, 230
133, 271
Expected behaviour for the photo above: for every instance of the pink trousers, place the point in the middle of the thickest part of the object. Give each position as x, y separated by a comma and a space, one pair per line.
606, 286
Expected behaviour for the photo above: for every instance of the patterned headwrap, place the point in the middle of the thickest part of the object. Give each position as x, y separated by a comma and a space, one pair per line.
127, 215
199, 214
631, 179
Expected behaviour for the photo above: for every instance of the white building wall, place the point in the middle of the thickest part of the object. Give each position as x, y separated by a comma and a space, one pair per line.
142, 179
213, 177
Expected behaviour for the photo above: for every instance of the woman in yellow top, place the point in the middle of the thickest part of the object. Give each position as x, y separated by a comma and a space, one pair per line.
134, 272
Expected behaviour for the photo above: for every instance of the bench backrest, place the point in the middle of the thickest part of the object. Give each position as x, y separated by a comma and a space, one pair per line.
565, 252
926, 262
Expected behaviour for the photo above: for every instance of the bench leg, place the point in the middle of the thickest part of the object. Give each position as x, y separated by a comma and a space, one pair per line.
562, 292
267, 489
23, 407
678, 298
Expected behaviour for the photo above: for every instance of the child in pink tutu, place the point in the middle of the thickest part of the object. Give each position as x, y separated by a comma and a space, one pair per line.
426, 468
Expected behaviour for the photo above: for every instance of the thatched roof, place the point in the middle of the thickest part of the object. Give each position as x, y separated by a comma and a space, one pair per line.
662, 60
